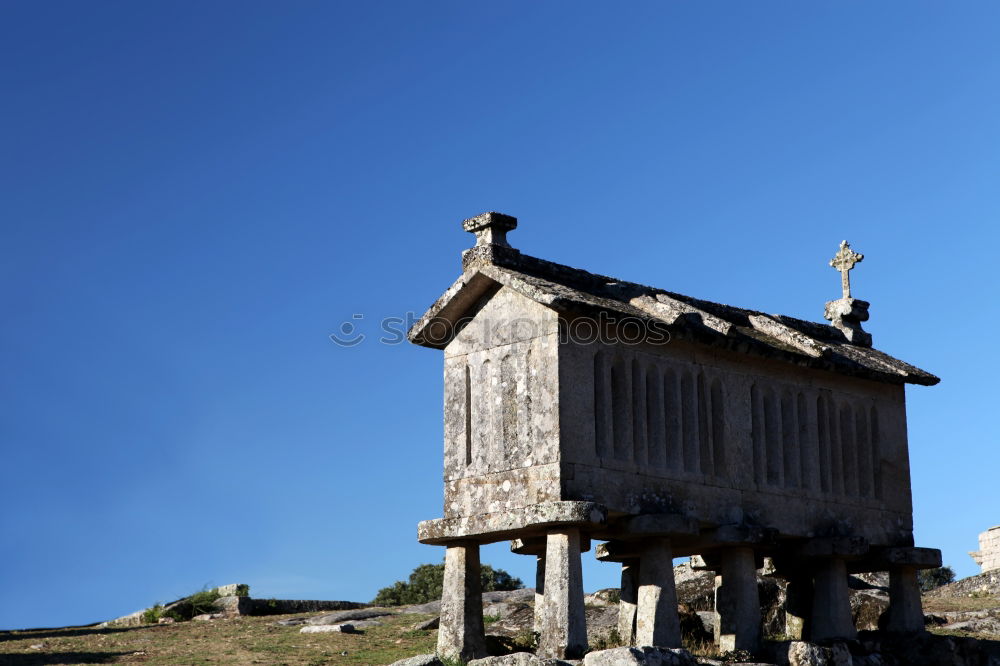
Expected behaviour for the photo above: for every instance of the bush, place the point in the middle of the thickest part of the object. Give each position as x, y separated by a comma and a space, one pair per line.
931, 578
427, 580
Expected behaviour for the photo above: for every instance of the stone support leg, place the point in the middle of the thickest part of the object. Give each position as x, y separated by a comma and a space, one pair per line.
629, 600
737, 603
831, 610
798, 605
564, 627
539, 591
461, 634
905, 613
656, 621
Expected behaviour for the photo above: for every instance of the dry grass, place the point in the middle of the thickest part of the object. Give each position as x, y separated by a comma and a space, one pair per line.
241, 640
958, 604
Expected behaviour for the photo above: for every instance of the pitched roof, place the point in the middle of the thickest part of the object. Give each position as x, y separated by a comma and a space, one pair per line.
573, 291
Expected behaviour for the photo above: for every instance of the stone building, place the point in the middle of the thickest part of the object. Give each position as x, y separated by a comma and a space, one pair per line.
988, 555
581, 407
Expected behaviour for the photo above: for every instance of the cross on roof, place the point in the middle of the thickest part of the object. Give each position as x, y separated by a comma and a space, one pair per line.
844, 261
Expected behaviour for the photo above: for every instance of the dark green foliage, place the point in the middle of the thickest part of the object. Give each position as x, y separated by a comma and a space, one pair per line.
203, 601
931, 578
426, 581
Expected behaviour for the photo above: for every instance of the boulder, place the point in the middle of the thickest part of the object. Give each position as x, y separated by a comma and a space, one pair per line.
644, 656
802, 653
328, 629
344, 616
419, 660
519, 659
427, 625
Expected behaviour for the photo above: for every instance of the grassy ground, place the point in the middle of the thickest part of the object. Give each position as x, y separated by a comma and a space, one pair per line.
958, 604
242, 640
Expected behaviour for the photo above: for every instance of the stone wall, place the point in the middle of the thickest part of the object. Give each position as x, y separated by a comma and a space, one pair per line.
725, 438
988, 555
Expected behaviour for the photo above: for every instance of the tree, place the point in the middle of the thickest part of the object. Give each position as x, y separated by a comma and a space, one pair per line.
931, 578
427, 580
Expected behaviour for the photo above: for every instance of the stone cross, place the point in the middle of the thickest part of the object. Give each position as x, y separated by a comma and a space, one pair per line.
844, 261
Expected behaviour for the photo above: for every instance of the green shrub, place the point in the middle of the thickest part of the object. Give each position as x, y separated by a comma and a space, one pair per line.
932, 578
203, 601
427, 580
153, 615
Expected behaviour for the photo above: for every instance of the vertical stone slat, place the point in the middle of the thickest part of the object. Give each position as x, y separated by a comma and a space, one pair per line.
808, 446
689, 422
602, 406
757, 436
772, 434
673, 422
467, 403
876, 453
656, 445
621, 410
836, 448
719, 439
789, 441
639, 421
706, 463
849, 450
866, 480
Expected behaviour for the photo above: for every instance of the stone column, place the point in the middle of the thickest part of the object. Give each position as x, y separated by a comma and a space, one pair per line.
539, 590
656, 621
905, 614
737, 603
461, 634
629, 601
564, 626
798, 605
831, 610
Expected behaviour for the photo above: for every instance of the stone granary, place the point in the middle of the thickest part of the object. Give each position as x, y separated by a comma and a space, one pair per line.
580, 407
988, 555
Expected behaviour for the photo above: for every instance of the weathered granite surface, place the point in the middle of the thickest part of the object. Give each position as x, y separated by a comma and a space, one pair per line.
988, 555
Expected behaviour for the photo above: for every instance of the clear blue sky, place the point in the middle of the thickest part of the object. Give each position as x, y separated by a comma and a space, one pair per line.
196, 194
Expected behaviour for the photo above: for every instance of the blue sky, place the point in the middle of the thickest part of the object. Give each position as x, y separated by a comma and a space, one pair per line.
194, 195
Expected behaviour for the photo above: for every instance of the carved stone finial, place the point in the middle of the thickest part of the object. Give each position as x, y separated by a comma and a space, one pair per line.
491, 238
491, 228
844, 261
847, 313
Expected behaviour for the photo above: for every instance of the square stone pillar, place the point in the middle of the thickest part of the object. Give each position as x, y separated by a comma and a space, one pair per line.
737, 602
831, 609
461, 634
629, 601
798, 605
539, 591
905, 615
564, 626
657, 622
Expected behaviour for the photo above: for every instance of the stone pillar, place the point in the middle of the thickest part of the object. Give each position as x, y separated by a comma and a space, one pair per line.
564, 626
831, 609
905, 614
539, 590
461, 634
656, 620
798, 605
629, 601
737, 603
